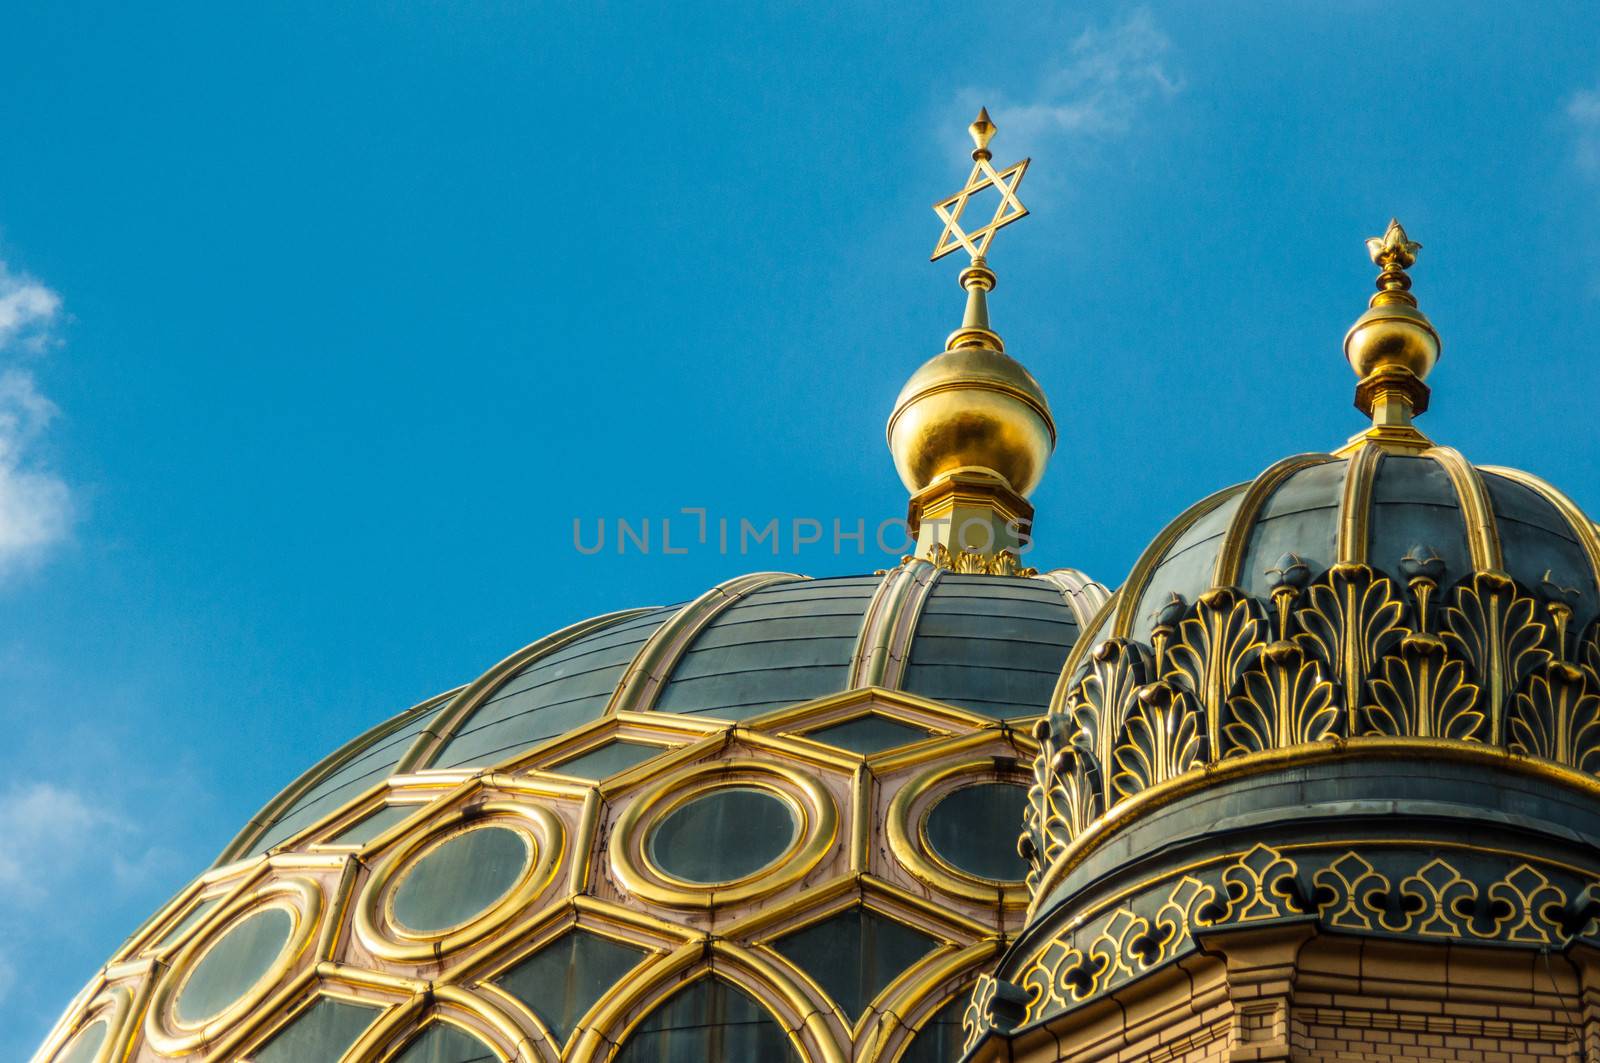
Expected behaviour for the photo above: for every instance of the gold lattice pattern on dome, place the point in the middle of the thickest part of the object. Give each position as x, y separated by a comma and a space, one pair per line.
983, 176
348, 941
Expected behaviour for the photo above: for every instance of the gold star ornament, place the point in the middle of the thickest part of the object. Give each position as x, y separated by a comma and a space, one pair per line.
983, 176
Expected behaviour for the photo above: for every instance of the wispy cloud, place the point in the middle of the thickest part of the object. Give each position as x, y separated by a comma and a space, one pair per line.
35, 503
51, 832
57, 837
1097, 87
1583, 111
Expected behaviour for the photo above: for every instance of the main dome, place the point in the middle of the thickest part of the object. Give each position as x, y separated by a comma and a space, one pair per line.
769, 823
776, 822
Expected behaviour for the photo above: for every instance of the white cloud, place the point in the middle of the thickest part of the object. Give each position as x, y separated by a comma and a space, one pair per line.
1106, 77
35, 503
50, 833
1583, 110
27, 310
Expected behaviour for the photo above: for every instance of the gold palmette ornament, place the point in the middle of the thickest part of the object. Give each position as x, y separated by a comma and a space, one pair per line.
1392, 348
971, 432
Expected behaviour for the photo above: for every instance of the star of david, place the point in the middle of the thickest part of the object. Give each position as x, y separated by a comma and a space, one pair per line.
1010, 209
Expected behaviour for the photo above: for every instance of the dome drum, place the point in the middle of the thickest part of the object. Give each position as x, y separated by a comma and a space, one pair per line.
1480, 628
1425, 843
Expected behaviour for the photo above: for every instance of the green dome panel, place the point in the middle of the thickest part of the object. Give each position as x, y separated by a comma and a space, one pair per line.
562, 981
234, 964
710, 1021
554, 694
992, 644
776, 647
459, 879
85, 1048
961, 829
855, 954
868, 734
608, 760
941, 1038
723, 835
324, 1031
442, 1043
364, 830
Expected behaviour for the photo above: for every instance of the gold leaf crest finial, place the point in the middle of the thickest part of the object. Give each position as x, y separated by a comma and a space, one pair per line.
1392, 348
1392, 248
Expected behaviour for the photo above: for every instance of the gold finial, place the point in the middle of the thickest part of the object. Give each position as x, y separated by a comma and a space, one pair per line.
978, 279
971, 432
1394, 254
1392, 348
982, 130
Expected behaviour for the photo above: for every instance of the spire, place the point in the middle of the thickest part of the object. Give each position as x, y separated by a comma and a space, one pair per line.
972, 431
1392, 348
978, 279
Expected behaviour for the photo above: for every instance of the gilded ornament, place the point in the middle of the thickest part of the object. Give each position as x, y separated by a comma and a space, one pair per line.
983, 176
1349, 885
1162, 736
972, 432
1491, 626
1260, 885
1431, 901
1393, 347
1534, 902
1214, 646
1284, 701
1557, 717
1352, 617
972, 562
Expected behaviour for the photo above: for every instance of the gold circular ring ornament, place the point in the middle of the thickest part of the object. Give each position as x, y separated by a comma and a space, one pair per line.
908, 832
387, 935
815, 814
89, 1045
171, 1035
99, 1034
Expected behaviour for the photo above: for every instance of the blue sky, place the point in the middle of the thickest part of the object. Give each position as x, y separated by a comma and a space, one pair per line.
320, 324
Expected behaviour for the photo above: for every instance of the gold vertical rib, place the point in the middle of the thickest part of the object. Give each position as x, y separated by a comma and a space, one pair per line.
430, 743
861, 824
1483, 537
1083, 595
903, 628
902, 589
1355, 510
1243, 525
583, 843
246, 838
1138, 580
1582, 527
652, 666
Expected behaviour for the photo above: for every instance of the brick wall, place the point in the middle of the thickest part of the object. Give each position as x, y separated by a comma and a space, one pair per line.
1287, 993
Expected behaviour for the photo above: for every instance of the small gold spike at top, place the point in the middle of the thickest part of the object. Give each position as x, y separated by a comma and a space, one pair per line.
982, 130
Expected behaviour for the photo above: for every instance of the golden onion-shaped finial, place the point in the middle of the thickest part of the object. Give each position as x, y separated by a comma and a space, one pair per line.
971, 431
1393, 346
